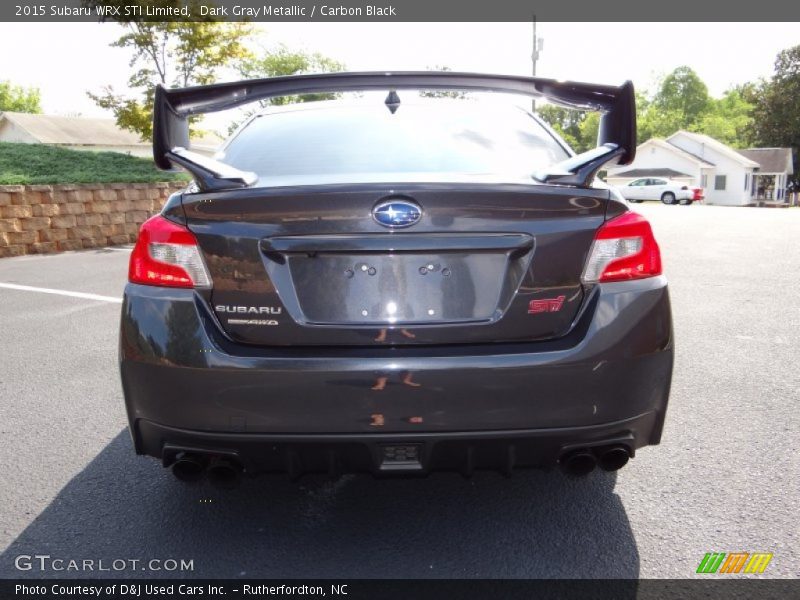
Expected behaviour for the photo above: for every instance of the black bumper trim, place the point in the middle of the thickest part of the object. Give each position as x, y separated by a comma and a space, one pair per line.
463, 451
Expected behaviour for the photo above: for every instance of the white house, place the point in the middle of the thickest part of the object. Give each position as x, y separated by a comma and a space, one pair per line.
658, 158
82, 133
772, 177
730, 177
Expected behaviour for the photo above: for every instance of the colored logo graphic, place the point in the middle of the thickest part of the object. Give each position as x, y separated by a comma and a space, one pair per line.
546, 305
397, 213
734, 562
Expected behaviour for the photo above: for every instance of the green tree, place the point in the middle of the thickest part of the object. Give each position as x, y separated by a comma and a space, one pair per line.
776, 115
566, 122
283, 61
654, 122
730, 119
458, 95
578, 128
683, 93
16, 98
280, 61
681, 101
180, 54
589, 128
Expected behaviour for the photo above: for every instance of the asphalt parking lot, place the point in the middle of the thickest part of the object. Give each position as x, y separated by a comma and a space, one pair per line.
723, 480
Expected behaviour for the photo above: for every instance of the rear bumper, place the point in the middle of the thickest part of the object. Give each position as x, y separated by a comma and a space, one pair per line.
186, 386
376, 453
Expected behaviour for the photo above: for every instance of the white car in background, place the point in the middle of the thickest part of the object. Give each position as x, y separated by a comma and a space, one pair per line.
659, 188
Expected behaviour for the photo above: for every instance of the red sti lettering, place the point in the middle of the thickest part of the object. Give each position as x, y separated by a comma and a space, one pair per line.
545, 305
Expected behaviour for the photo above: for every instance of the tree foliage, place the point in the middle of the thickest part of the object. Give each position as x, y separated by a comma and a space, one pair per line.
564, 121
683, 93
680, 101
284, 61
777, 106
578, 128
652, 121
180, 53
730, 118
16, 98
279, 61
456, 94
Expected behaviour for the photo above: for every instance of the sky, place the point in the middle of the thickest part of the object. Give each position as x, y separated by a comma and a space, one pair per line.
65, 60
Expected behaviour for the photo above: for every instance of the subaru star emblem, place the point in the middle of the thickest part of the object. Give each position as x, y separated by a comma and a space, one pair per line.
397, 213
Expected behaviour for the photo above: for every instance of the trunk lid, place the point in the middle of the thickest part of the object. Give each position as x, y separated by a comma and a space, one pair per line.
313, 265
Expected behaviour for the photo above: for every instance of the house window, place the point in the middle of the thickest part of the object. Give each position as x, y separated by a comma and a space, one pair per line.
746, 181
720, 181
704, 181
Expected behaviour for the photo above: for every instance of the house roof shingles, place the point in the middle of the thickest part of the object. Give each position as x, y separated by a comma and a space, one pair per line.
78, 131
702, 138
651, 173
772, 160
84, 131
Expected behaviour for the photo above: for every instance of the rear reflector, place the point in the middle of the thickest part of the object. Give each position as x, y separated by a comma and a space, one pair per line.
166, 254
624, 248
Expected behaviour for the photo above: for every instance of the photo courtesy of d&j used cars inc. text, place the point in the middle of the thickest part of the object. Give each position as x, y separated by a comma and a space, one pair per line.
400, 300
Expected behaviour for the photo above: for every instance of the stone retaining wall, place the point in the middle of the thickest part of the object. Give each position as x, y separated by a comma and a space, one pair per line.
55, 218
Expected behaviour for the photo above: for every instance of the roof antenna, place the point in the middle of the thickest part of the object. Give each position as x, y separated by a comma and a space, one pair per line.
392, 101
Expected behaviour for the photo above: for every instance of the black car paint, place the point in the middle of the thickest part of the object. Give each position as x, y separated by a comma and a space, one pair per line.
233, 227
600, 376
319, 389
189, 386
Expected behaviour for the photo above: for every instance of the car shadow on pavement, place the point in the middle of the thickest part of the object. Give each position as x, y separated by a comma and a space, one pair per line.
532, 525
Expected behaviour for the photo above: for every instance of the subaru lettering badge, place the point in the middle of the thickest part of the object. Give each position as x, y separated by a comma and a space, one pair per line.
397, 213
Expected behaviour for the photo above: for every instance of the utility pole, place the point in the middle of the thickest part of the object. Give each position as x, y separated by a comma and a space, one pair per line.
536, 48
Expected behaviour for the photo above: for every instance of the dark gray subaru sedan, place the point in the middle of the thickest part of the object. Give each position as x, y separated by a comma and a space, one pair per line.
395, 285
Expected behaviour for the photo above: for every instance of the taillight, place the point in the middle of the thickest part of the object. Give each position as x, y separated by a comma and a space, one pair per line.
166, 254
624, 248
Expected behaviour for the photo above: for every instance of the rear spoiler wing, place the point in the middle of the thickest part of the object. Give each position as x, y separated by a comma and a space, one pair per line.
616, 137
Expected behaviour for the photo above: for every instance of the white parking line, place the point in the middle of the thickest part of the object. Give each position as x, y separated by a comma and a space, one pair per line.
41, 290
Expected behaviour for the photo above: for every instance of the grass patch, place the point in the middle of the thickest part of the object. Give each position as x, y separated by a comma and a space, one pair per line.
29, 164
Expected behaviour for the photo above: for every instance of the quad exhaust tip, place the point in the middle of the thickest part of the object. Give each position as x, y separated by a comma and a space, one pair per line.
582, 462
189, 467
614, 458
222, 472
579, 463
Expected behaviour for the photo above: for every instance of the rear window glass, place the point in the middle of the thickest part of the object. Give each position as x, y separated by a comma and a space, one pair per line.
452, 141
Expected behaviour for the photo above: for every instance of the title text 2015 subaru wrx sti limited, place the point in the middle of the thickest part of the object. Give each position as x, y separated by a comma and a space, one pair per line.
395, 284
